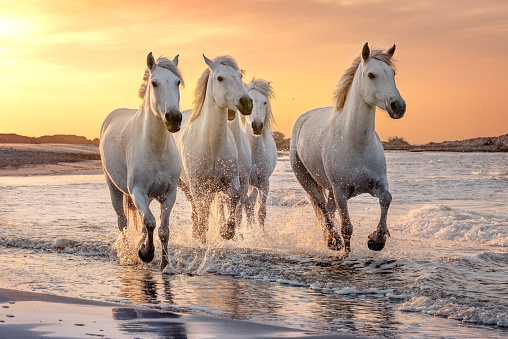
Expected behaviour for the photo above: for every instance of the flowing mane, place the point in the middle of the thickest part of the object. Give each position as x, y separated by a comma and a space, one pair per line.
164, 63
340, 94
200, 92
264, 87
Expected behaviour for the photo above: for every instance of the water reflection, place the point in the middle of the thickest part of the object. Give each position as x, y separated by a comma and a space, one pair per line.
150, 323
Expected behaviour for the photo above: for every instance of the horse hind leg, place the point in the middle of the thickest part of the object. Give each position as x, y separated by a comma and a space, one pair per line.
117, 200
315, 193
377, 239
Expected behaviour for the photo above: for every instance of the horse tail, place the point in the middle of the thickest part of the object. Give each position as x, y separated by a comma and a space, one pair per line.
131, 212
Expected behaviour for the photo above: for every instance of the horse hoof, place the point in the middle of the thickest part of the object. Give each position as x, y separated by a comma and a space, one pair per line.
335, 243
164, 262
146, 256
228, 231
375, 246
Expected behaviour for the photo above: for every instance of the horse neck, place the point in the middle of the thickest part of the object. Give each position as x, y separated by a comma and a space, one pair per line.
153, 129
357, 118
213, 123
234, 125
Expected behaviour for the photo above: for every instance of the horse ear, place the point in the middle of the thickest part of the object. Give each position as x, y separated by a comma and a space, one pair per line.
175, 60
209, 62
150, 61
365, 52
391, 51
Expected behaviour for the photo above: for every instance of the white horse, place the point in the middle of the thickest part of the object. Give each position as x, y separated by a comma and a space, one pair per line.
338, 150
139, 155
207, 146
258, 128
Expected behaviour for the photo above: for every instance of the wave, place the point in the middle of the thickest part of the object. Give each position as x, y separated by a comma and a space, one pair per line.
446, 223
62, 245
452, 309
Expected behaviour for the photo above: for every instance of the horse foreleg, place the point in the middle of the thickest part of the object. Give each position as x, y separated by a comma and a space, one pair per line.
244, 197
346, 228
201, 204
117, 202
377, 239
262, 205
194, 214
227, 231
142, 202
250, 204
166, 207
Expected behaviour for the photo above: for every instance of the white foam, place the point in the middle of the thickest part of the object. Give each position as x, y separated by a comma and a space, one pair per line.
449, 308
446, 223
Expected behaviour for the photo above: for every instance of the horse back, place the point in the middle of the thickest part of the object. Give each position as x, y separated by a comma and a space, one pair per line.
308, 140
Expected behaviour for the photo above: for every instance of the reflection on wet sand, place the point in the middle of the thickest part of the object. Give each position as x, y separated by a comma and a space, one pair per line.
258, 300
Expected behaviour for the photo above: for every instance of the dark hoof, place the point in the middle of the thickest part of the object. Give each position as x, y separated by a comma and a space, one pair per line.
228, 231
375, 246
146, 256
377, 240
335, 242
164, 262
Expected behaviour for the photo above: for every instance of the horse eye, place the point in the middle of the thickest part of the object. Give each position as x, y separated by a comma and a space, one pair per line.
371, 76
154, 84
264, 103
220, 79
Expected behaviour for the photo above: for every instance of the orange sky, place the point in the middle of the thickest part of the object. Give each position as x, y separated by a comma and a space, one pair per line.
65, 65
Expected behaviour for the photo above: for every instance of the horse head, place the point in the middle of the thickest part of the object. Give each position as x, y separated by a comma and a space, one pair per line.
377, 82
261, 92
227, 88
163, 82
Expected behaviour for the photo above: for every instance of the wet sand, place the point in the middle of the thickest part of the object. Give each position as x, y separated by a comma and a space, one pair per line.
48, 159
35, 315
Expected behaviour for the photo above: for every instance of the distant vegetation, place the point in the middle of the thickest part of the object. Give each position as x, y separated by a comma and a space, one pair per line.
281, 141
47, 139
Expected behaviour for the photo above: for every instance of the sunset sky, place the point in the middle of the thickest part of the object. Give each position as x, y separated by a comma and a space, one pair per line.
64, 65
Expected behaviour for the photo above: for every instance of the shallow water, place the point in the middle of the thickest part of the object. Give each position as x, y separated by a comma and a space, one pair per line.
443, 273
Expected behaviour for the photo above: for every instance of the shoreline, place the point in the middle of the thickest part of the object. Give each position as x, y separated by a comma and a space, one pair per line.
35, 315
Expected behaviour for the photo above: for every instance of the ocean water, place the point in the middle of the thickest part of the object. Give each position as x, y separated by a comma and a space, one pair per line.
442, 274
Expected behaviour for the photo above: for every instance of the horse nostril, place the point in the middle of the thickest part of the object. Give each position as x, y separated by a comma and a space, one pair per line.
174, 117
394, 105
257, 127
245, 105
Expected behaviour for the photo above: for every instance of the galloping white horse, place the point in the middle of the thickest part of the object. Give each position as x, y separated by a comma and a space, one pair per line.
139, 155
338, 150
258, 128
207, 146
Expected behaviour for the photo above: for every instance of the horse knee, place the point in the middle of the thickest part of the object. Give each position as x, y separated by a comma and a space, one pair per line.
163, 235
149, 222
385, 198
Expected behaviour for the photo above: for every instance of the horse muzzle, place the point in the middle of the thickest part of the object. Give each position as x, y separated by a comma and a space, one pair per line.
245, 105
231, 114
257, 127
396, 109
173, 121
